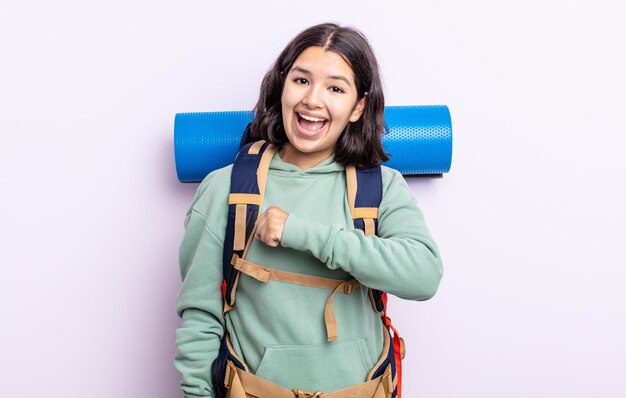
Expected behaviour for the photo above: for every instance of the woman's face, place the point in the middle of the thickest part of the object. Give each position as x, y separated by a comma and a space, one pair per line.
319, 99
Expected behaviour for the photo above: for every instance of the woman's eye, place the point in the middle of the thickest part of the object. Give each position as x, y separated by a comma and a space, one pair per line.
301, 80
336, 89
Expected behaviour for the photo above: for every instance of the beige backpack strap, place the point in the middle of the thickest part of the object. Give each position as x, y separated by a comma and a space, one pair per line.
351, 186
242, 201
242, 384
264, 274
368, 214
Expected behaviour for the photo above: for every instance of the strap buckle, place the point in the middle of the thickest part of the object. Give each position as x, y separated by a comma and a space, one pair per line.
229, 375
350, 286
305, 394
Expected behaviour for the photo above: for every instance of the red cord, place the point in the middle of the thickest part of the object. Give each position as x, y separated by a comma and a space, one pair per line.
397, 347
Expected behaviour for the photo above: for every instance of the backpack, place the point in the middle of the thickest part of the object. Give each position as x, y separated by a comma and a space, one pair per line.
248, 180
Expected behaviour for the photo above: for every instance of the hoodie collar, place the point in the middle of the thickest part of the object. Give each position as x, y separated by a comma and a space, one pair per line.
324, 167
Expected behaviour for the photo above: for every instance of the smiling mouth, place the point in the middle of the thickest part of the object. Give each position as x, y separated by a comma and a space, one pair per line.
310, 125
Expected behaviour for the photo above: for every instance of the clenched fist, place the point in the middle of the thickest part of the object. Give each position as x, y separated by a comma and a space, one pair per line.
270, 225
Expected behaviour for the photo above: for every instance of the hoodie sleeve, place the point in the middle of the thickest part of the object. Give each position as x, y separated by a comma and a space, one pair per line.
402, 260
199, 301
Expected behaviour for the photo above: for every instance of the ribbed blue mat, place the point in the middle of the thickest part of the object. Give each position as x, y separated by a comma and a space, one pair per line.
419, 140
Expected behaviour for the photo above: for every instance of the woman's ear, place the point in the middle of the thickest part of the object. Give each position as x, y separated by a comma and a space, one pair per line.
358, 109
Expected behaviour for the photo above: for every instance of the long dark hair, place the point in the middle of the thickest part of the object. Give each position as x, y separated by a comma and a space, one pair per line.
360, 143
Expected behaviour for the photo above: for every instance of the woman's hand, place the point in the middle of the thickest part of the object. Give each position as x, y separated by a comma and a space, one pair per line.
270, 225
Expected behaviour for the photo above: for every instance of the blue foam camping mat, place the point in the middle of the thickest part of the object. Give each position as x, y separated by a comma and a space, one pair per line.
419, 140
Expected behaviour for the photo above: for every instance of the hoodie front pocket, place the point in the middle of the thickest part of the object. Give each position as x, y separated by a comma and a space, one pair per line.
326, 367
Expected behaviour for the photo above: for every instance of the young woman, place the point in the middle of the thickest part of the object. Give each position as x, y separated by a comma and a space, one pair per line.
321, 108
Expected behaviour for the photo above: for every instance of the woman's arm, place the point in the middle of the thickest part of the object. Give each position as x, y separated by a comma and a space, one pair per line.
403, 260
199, 301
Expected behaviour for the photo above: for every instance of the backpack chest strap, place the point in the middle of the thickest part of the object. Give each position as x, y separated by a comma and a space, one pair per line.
264, 274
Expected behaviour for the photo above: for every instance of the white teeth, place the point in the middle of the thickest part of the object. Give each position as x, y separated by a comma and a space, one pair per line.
311, 118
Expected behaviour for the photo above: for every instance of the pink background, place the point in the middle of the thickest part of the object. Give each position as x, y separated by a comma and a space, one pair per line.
530, 221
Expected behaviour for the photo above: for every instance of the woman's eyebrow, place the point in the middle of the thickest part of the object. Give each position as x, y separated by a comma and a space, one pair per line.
300, 69
342, 78
334, 77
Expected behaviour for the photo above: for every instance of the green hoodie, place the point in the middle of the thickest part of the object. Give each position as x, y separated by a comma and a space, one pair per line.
278, 328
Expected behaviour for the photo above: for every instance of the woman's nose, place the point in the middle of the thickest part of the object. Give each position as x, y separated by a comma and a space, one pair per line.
313, 97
